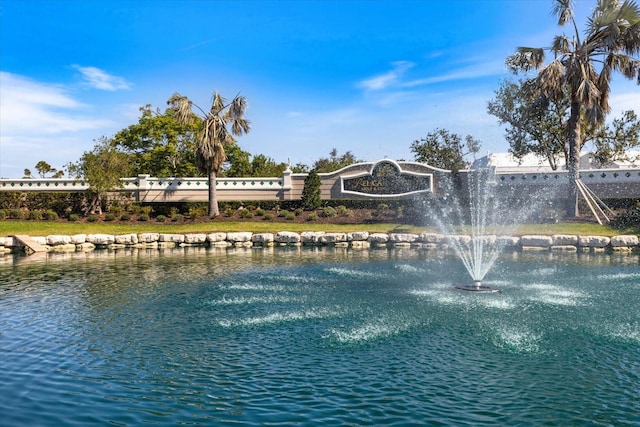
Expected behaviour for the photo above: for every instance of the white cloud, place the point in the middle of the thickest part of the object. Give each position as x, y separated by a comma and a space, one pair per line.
100, 79
387, 79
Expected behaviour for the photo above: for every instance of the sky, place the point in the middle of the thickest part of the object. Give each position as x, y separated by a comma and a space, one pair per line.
369, 77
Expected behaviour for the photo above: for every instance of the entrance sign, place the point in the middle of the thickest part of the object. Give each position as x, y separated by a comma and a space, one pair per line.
387, 179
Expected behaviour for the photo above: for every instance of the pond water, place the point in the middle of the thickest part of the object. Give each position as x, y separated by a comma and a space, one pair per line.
317, 337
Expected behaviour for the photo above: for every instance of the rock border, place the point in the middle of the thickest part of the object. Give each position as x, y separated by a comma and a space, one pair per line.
357, 239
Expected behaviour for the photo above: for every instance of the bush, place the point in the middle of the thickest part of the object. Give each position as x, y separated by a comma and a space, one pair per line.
268, 216
51, 215
259, 212
109, 217
196, 212
328, 212
246, 213
229, 212
290, 216
125, 217
312, 217
298, 211
3, 214
343, 211
173, 211
161, 218
628, 219
143, 217
146, 210
35, 215
311, 194
92, 218
115, 211
73, 217
16, 214
177, 217
136, 208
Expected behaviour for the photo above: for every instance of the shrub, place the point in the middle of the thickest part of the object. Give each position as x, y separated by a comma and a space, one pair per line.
343, 211
246, 213
115, 210
136, 208
92, 218
173, 211
229, 212
177, 217
259, 212
196, 212
146, 210
311, 195
109, 217
161, 218
125, 217
143, 217
298, 211
268, 216
16, 214
290, 216
51, 215
73, 217
329, 212
35, 215
628, 218
312, 217
3, 214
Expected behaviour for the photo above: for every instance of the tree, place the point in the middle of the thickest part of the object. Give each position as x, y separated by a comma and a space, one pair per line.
158, 145
445, 150
27, 173
583, 66
218, 127
102, 168
311, 198
334, 162
44, 168
538, 125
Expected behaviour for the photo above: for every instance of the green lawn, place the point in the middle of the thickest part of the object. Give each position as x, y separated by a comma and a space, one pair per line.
44, 228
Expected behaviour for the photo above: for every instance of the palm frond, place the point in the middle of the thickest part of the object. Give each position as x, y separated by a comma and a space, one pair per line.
563, 10
182, 106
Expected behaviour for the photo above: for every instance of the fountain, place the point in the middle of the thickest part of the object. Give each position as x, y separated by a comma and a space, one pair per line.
475, 206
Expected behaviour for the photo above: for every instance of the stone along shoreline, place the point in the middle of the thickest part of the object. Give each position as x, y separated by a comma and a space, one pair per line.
360, 239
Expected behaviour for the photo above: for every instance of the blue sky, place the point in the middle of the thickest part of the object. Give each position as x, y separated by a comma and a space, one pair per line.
368, 77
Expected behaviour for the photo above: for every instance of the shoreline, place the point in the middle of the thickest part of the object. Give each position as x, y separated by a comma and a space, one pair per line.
627, 243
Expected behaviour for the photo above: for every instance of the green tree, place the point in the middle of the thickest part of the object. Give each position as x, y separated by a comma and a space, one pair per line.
44, 168
102, 167
159, 145
311, 199
583, 66
445, 150
334, 162
538, 125
262, 165
219, 125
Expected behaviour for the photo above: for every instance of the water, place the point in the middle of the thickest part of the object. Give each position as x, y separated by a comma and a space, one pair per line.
486, 209
317, 337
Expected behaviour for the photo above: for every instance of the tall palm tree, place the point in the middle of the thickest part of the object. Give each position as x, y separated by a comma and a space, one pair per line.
583, 66
218, 127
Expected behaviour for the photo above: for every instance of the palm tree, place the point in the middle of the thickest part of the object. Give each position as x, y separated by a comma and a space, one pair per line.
218, 127
583, 66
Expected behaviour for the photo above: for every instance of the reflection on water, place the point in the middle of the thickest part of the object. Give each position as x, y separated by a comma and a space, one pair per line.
315, 336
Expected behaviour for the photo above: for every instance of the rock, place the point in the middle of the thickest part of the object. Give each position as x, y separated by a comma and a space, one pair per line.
287, 237
564, 239
78, 239
216, 237
627, 240
331, 238
402, 237
126, 239
357, 236
311, 237
242, 236
535, 241
171, 238
148, 237
58, 239
378, 238
262, 238
431, 238
195, 238
594, 241
101, 239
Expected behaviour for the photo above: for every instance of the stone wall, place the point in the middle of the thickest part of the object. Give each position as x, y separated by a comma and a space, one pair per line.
356, 239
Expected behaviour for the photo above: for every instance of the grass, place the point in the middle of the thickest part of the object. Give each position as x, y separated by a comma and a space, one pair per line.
44, 228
